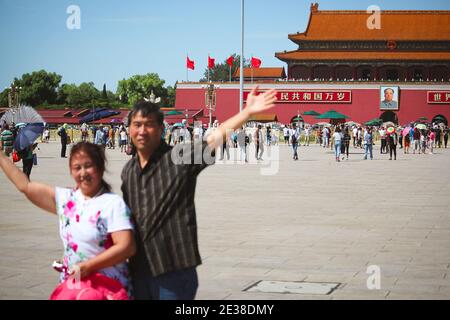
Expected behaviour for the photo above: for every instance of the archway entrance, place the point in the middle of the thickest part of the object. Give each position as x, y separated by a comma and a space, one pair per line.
389, 116
440, 119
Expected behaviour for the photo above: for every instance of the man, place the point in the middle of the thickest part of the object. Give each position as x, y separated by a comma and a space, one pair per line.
7, 139
368, 144
306, 136
62, 132
160, 193
389, 102
286, 134
355, 136
259, 143
382, 133
295, 137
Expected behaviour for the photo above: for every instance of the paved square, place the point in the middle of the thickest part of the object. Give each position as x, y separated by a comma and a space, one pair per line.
315, 221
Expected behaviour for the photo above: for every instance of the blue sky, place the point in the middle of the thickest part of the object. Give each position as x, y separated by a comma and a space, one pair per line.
121, 38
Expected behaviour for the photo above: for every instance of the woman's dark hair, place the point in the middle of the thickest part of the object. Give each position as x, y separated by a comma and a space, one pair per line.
97, 155
146, 109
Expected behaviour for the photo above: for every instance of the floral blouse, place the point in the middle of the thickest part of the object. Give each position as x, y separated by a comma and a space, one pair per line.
85, 227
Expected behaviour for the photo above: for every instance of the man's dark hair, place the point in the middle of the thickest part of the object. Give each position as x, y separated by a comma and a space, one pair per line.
146, 109
385, 90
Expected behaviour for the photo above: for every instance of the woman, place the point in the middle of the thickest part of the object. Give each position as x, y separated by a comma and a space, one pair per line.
346, 143
446, 137
407, 143
337, 143
94, 223
392, 139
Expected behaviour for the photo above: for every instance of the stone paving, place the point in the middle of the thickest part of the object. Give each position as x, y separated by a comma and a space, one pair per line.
315, 220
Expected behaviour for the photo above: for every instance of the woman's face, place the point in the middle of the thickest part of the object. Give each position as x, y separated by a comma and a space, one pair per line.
86, 175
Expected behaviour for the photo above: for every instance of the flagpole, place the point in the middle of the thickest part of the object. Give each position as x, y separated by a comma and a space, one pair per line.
187, 69
208, 66
241, 80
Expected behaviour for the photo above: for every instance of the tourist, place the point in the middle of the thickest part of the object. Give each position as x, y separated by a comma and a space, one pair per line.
337, 137
416, 138
94, 223
446, 137
423, 141
62, 132
7, 138
295, 139
160, 193
392, 140
307, 133
286, 134
346, 143
431, 140
368, 143
382, 133
259, 143
407, 141
123, 140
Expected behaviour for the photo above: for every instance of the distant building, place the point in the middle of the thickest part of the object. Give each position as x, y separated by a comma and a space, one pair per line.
260, 74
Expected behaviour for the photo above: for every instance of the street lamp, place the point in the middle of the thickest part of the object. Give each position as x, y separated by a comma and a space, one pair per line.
13, 96
14, 99
210, 99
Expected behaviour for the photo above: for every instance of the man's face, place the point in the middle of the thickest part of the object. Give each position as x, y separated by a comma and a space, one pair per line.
145, 132
389, 95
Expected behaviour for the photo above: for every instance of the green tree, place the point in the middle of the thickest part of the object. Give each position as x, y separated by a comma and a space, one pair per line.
4, 99
139, 87
104, 93
39, 87
169, 101
84, 95
221, 71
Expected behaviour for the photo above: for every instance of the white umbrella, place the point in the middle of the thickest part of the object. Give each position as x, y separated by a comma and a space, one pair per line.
323, 124
352, 123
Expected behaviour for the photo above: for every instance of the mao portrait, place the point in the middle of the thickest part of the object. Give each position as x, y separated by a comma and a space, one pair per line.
389, 98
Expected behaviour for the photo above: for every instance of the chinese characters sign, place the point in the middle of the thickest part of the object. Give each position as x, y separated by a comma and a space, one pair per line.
439, 97
311, 96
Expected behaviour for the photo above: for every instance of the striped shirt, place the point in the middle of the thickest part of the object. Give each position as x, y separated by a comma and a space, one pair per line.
161, 199
7, 139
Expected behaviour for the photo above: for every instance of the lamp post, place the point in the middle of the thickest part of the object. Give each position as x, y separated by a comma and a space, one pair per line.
241, 78
14, 99
210, 100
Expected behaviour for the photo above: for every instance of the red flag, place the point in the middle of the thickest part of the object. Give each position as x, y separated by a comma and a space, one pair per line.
230, 61
211, 62
256, 63
190, 64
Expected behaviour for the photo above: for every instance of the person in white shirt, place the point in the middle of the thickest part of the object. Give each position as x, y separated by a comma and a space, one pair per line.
286, 135
337, 143
382, 133
355, 136
307, 132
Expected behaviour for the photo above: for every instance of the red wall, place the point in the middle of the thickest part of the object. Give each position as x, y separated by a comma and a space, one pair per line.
364, 106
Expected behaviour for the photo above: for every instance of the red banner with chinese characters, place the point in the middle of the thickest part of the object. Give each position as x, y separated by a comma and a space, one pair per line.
439, 97
312, 96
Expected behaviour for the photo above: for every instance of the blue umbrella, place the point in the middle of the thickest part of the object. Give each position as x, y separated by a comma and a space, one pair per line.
98, 114
27, 135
